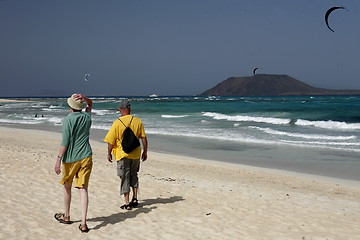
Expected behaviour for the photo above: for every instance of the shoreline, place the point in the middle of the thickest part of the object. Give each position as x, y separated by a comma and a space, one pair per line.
4, 100
180, 198
289, 170
94, 137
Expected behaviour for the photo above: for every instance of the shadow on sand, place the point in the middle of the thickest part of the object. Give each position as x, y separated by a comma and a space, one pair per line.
144, 206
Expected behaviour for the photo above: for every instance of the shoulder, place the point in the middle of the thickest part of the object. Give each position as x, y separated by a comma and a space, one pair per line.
79, 115
68, 117
116, 122
137, 120
88, 114
75, 116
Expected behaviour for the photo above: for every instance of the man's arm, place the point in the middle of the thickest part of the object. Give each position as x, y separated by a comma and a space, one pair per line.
145, 148
88, 103
110, 147
62, 151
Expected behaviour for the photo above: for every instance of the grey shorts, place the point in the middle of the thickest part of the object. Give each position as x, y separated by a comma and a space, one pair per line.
127, 170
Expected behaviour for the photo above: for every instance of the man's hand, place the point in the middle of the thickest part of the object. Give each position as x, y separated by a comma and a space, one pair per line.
80, 97
109, 157
144, 156
57, 168
110, 148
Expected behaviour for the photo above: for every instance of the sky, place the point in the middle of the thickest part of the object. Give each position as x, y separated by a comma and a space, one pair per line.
172, 47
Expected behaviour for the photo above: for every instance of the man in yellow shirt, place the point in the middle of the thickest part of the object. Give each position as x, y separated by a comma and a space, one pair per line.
128, 164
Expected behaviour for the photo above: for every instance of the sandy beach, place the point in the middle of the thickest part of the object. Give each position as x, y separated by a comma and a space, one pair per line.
180, 198
12, 100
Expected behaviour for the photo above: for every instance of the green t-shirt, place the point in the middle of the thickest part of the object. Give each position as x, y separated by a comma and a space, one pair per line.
75, 136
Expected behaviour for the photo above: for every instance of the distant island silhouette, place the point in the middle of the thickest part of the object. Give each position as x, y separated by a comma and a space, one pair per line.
269, 85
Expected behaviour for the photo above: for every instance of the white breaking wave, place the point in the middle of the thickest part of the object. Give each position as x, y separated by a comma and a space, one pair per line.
101, 127
207, 135
53, 109
312, 144
241, 118
306, 136
352, 146
283, 121
329, 124
173, 116
18, 105
55, 120
54, 106
101, 112
19, 121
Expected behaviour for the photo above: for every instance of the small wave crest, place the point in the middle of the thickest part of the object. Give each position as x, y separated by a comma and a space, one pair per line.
101, 112
305, 136
31, 122
101, 126
242, 118
173, 116
329, 124
52, 109
55, 120
208, 135
55, 106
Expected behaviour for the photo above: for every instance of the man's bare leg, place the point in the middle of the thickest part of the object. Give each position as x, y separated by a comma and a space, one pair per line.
126, 197
67, 198
84, 198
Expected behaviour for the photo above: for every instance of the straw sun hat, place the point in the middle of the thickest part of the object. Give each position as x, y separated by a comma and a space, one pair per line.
75, 103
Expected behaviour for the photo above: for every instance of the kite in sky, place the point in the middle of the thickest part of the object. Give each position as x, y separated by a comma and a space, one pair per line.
86, 77
254, 71
328, 12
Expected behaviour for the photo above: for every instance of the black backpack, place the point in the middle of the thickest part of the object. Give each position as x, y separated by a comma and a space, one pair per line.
129, 140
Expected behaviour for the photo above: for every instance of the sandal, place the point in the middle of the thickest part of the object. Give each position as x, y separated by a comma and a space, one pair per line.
81, 226
134, 202
126, 206
62, 219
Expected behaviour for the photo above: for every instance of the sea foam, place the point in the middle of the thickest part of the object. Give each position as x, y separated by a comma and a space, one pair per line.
245, 118
329, 124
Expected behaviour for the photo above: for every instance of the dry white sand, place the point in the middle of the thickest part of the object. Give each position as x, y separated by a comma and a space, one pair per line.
12, 100
180, 198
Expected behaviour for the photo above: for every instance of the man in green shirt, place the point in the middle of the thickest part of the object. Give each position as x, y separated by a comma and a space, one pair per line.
75, 153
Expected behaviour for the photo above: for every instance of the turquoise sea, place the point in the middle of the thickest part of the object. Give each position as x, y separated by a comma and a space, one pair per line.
310, 134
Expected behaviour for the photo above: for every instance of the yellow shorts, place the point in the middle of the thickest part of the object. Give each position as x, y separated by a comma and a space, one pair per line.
80, 170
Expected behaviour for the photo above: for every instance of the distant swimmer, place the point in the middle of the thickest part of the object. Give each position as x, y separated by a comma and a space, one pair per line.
292, 121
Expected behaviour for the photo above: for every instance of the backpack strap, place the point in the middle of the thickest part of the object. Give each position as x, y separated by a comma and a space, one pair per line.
124, 123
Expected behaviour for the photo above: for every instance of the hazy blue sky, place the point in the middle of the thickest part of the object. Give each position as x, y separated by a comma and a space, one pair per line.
173, 47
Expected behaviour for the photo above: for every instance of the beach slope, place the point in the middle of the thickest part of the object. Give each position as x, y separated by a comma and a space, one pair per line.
180, 198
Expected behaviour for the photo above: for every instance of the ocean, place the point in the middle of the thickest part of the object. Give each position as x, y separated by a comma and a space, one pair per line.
310, 134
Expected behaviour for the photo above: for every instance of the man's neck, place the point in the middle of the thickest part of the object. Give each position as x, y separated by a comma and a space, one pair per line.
125, 114
73, 110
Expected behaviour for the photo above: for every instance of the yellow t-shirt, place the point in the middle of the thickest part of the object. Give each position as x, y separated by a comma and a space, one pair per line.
114, 136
